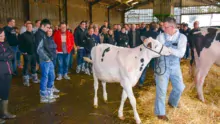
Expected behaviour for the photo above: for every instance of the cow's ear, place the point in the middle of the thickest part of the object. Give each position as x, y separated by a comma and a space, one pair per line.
218, 37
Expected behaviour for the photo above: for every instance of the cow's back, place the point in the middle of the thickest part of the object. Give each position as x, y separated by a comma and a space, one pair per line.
105, 64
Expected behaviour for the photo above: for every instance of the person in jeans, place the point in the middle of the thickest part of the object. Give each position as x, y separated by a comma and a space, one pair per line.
27, 47
6, 56
65, 43
90, 43
12, 39
80, 36
176, 43
53, 49
46, 63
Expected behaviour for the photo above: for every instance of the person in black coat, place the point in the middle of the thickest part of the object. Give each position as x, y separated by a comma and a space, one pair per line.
90, 43
6, 56
111, 39
186, 31
79, 37
134, 37
28, 48
123, 39
12, 39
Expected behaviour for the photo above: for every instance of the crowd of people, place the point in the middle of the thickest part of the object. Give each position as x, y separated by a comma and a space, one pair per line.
50, 48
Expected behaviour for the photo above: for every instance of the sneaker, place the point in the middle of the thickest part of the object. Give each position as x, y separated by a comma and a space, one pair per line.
59, 77
27, 84
46, 100
87, 72
52, 96
55, 90
66, 77
77, 70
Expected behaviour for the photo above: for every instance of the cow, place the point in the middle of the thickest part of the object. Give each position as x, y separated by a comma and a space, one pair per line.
125, 65
206, 45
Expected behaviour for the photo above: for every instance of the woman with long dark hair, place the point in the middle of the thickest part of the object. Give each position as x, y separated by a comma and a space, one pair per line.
6, 56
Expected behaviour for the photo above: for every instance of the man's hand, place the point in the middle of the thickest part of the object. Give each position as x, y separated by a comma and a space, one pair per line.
168, 52
77, 47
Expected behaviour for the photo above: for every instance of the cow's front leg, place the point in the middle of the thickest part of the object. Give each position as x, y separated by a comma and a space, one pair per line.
96, 86
104, 92
123, 99
129, 91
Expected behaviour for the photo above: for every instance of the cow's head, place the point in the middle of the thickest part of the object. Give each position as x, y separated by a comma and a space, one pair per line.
155, 47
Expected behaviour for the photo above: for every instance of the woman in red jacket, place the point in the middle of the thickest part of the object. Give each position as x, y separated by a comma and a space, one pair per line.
6, 56
65, 43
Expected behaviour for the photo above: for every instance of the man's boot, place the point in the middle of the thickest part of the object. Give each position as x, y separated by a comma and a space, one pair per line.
6, 114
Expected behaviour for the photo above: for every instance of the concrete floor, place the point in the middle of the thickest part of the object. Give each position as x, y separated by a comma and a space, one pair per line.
75, 106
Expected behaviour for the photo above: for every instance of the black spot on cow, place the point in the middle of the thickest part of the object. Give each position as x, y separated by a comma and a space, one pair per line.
141, 68
218, 37
105, 51
142, 65
140, 49
135, 57
142, 60
201, 41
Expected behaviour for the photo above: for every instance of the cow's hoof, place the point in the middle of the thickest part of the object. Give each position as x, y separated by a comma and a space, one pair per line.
95, 106
121, 118
138, 122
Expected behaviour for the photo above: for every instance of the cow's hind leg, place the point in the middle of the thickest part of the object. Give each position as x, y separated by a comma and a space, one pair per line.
200, 78
129, 91
104, 91
123, 99
96, 86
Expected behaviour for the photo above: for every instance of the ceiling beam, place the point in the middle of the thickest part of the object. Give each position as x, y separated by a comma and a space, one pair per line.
138, 5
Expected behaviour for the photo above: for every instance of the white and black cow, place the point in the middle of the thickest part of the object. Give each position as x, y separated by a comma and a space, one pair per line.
206, 45
124, 65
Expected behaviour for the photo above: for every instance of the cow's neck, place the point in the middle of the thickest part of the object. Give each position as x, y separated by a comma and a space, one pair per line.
143, 57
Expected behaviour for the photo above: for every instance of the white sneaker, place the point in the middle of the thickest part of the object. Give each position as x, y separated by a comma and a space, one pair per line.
66, 77
59, 77
87, 72
46, 100
55, 90
77, 69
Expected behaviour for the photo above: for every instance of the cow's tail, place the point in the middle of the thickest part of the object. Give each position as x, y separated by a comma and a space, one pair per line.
87, 59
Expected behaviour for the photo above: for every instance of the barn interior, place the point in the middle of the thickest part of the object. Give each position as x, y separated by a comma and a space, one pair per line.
76, 103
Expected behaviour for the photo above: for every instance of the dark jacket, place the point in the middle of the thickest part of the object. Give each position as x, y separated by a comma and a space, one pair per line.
160, 30
116, 35
80, 37
27, 43
190, 37
103, 26
123, 40
138, 38
151, 33
6, 55
111, 40
97, 38
90, 43
105, 38
52, 47
142, 31
43, 49
11, 37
